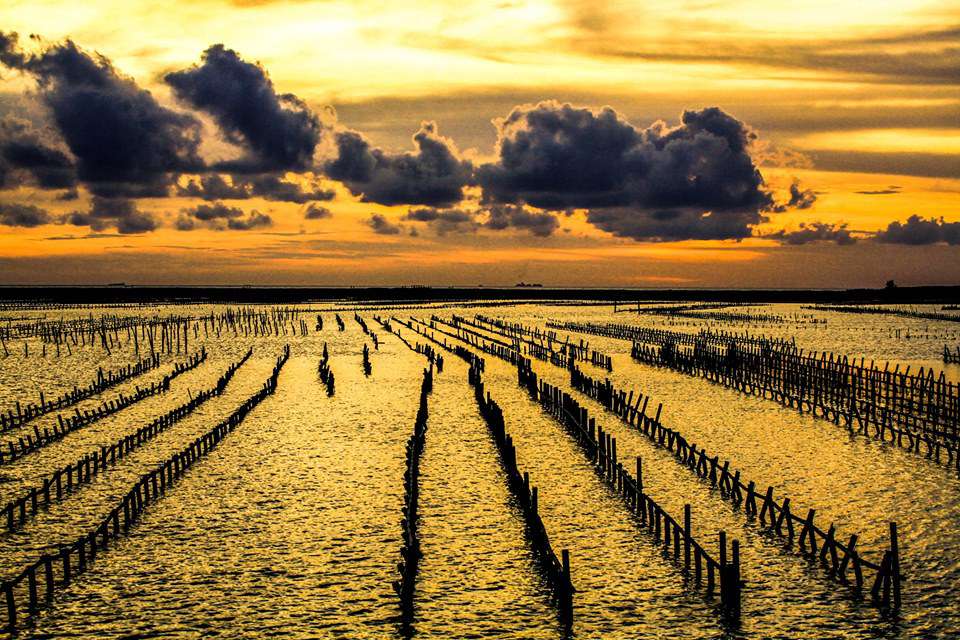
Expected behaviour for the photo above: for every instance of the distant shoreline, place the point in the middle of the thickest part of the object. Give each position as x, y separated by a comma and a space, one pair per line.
289, 295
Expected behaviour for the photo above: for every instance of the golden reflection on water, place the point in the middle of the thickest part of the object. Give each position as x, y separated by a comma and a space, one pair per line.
291, 527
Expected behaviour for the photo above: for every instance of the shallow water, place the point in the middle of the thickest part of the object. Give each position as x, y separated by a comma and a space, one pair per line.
291, 527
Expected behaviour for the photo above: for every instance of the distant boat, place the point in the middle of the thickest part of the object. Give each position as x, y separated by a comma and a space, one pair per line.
528, 284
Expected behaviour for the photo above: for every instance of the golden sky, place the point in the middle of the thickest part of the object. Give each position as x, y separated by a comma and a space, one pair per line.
855, 109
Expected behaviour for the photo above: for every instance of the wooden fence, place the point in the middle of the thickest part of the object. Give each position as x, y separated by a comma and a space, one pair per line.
22, 595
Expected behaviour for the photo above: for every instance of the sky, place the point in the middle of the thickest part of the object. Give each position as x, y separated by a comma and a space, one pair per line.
690, 143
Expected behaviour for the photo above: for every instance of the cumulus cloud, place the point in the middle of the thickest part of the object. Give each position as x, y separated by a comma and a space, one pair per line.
272, 187
23, 215
434, 175
219, 216
920, 231
213, 187
106, 213
382, 225
278, 130
315, 211
444, 221
124, 142
800, 198
24, 153
696, 180
267, 186
815, 232
539, 223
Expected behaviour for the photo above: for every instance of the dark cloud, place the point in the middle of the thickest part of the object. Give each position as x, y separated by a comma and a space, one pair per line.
279, 130
254, 220
889, 191
815, 232
268, 186
444, 221
213, 187
23, 215
125, 143
272, 187
919, 231
24, 151
315, 211
800, 198
539, 223
219, 216
696, 180
382, 226
434, 176
119, 213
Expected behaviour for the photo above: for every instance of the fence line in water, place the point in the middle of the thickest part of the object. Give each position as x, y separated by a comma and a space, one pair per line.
835, 390
73, 476
567, 352
32, 443
425, 350
27, 412
919, 408
737, 491
556, 569
410, 549
600, 449
76, 558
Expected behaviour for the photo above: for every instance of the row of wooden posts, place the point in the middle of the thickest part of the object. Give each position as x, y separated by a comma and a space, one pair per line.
326, 373
951, 357
925, 407
167, 334
13, 450
541, 344
410, 552
676, 538
934, 438
887, 311
599, 448
777, 516
635, 333
555, 570
813, 541
22, 594
431, 354
367, 331
70, 478
27, 411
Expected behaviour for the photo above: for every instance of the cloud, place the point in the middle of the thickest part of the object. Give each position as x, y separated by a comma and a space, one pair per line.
434, 176
272, 187
278, 130
815, 232
539, 223
106, 213
23, 151
696, 180
315, 211
444, 221
918, 231
267, 186
23, 215
125, 143
219, 217
910, 56
800, 198
382, 225
213, 187
889, 191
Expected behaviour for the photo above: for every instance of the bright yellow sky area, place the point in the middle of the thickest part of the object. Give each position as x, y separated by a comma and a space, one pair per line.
858, 102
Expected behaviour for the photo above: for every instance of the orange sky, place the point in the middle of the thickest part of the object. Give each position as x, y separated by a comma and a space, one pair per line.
860, 109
